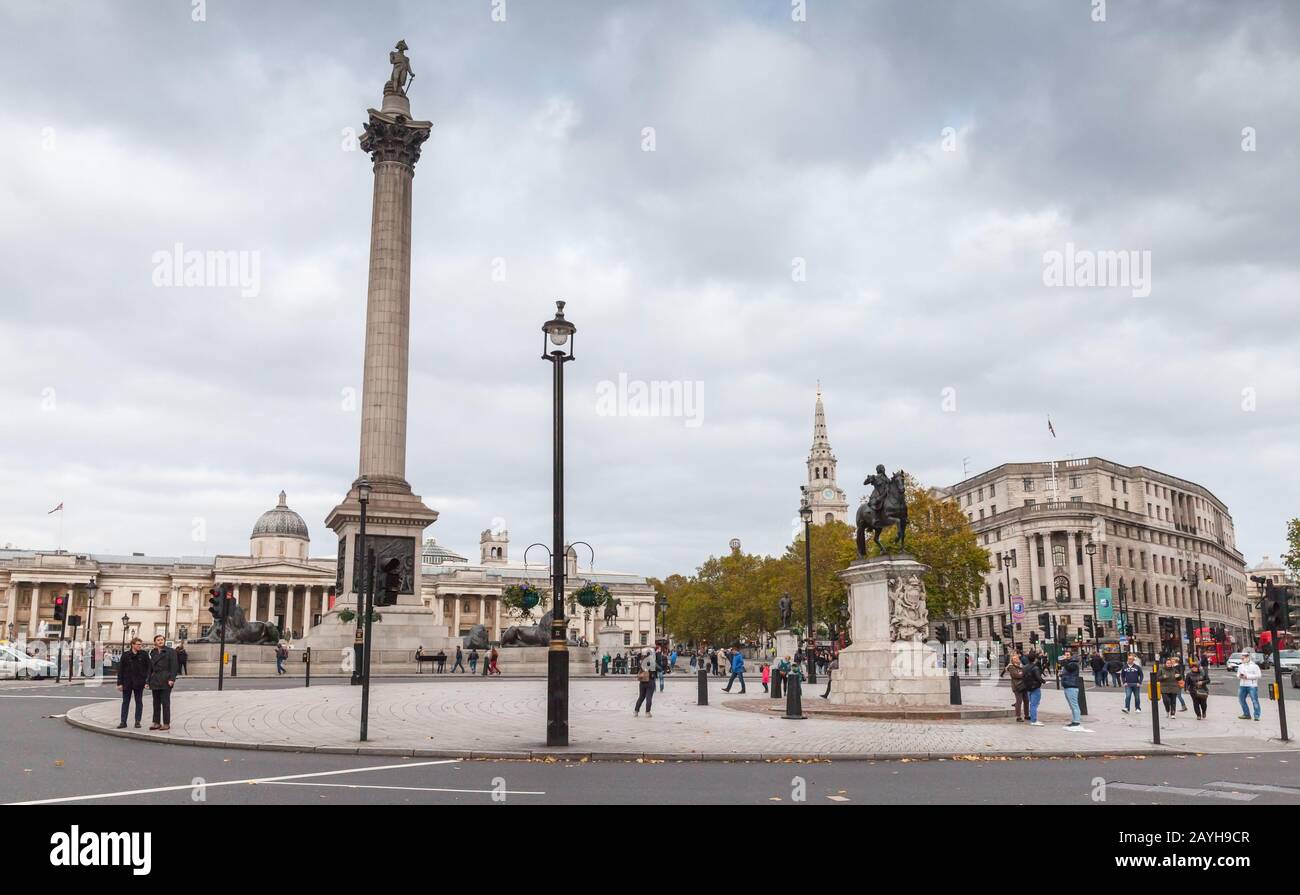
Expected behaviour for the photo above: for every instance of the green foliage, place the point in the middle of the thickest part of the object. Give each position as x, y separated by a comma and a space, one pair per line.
735, 596
520, 599
347, 616
1291, 558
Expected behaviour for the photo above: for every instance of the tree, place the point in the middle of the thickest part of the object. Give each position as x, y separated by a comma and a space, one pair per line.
832, 551
1291, 559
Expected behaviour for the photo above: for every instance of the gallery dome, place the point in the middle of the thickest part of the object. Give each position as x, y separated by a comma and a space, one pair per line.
281, 522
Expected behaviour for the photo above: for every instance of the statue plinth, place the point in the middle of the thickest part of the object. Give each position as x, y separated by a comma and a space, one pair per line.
787, 643
609, 641
888, 663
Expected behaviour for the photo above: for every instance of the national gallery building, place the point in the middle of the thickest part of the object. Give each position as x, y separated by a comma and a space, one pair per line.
277, 581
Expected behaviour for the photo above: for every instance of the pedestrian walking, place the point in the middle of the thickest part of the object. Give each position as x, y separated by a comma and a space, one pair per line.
661, 667
1182, 673
281, 653
1132, 675
1171, 683
737, 671
1113, 668
1033, 683
713, 661
1248, 675
645, 677
765, 672
162, 677
182, 657
492, 661
473, 661
132, 675
1098, 665
460, 662
1070, 683
831, 668
604, 665
1197, 685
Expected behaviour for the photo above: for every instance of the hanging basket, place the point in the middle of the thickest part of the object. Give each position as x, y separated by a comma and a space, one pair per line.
591, 596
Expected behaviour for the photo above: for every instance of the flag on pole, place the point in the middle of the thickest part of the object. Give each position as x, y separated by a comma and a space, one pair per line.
1050, 428
57, 509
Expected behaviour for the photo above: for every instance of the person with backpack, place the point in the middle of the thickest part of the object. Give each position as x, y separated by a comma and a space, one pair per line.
1033, 683
1070, 684
645, 677
473, 661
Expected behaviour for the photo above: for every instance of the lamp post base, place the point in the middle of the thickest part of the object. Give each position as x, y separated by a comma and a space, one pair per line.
557, 695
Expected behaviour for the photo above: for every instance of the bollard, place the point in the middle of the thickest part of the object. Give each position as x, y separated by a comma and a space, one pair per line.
1154, 694
776, 683
954, 689
1083, 699
702, 698
234, 666
793, 698
306, 658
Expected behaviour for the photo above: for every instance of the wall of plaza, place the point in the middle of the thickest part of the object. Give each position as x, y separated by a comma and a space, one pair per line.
1151, 529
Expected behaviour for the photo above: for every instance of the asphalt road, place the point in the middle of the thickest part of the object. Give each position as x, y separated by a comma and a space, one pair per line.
43, 758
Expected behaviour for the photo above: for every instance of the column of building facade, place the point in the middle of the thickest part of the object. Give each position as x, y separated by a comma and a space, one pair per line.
455, 617
496, 610
11, 608
1032, 556
288, 610
1071, 567
171, 610
252, 602
34, 609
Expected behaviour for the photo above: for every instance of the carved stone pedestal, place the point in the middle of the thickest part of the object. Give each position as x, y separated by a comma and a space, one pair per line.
787, 644
888, 663
609, 641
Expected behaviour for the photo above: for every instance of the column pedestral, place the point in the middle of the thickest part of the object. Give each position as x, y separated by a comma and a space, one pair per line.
609, 639
888, 663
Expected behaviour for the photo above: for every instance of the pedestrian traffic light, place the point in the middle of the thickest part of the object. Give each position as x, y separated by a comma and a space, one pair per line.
390, 582
1033, 636
60, 609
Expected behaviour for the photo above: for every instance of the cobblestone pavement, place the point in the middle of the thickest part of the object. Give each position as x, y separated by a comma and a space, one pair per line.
507, 719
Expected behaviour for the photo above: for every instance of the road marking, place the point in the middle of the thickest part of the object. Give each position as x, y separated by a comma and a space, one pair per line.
41, 696
486, 792
1260, 787
247, 780
1184, 791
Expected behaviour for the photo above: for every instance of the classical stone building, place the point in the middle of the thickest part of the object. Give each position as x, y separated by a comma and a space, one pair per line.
824, 496
278, 581
1169, 541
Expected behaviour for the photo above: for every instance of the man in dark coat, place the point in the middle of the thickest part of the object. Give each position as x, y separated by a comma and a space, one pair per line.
132, 675
163, 668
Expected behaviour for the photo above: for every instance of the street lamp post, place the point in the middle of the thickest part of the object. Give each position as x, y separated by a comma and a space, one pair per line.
1006, 566
1091, 550
126, 620
92, 587
558, 337
805, 513
358, 638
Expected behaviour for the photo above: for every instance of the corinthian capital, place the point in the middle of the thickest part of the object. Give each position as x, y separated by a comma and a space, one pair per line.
394, 140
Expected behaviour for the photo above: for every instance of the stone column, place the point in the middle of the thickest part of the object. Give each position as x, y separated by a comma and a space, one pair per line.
11, 609
1032, 539
33, 614
1071, 570
252, 602
496, 617
171, 610
482, 610
455, 617
288, 611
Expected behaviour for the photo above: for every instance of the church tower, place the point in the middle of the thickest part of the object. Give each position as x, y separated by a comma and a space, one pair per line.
826, 498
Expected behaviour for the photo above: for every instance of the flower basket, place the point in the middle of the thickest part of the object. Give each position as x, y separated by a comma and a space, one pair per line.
592, 595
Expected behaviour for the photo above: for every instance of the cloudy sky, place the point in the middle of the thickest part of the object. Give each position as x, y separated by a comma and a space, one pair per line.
728, 199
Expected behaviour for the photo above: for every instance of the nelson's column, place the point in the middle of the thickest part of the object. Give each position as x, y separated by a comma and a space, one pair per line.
395, 517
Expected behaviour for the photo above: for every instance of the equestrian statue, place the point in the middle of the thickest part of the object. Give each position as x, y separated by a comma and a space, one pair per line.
887, 506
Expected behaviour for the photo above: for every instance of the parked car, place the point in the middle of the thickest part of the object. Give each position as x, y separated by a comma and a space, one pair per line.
1260, 659
13, 664
1289, 659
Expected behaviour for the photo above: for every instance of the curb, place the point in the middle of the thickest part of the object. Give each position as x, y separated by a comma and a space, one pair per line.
581, 756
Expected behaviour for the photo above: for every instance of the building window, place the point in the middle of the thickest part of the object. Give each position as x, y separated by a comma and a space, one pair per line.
1027, 485
1076, 499
1075, 481
627, 638
991, 491
135, 599
106, 599
1029, 501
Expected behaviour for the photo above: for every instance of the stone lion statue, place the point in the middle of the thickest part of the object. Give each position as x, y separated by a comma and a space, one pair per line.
529, 635
240, 630
477, 638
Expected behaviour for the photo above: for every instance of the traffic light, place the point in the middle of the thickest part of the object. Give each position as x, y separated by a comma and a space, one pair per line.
1045, 621
1271, 611
1008, 632
217, 601
941, 633
1290, 609
1033, 636
390, 582
1087, 624
60, 609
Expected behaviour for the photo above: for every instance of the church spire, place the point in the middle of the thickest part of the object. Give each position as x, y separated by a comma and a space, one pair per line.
827, 499
820, 439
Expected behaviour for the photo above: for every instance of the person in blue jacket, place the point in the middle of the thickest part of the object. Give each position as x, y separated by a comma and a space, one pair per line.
737, 671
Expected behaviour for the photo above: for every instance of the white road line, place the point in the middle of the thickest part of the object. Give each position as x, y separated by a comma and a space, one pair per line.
486, 792
247, 780
42, 696
1260, 787
1184, 791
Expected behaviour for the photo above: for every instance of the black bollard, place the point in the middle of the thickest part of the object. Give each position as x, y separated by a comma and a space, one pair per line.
954, 689
1083, 698
703, 696
776, 683
234, 666
1154, 693
306, 658
793, 699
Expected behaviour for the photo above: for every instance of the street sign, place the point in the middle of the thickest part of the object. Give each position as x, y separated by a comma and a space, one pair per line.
1105, 608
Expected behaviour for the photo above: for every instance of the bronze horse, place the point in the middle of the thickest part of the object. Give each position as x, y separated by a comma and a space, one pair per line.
887, 506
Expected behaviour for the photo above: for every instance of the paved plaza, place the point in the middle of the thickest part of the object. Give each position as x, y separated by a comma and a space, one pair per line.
450, 717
